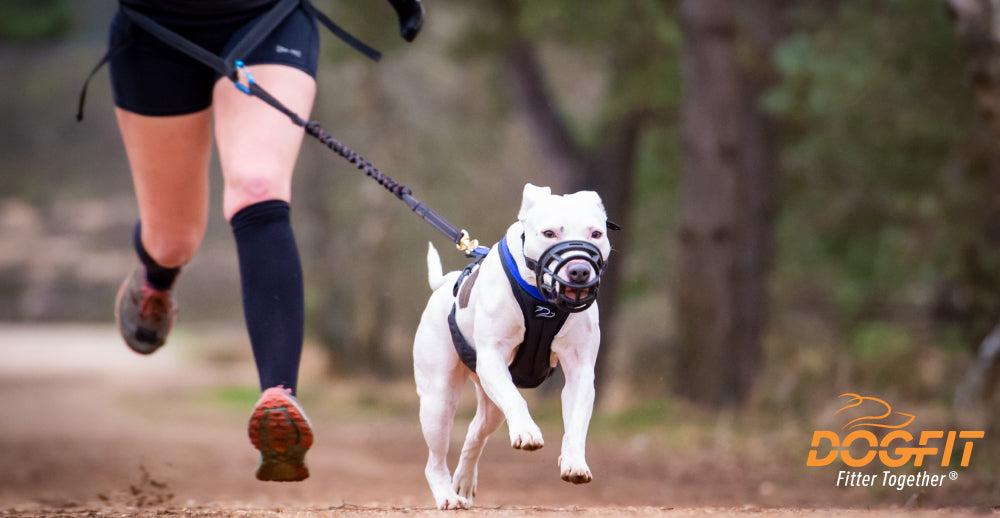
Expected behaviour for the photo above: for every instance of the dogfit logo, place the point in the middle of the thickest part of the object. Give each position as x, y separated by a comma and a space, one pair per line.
857, 445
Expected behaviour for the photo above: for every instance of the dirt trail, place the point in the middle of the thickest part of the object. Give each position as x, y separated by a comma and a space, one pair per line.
90, 429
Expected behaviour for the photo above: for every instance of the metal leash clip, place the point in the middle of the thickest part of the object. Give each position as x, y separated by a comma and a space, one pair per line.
467, 244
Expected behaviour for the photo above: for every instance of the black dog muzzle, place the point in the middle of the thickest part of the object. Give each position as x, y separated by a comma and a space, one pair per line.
555, 280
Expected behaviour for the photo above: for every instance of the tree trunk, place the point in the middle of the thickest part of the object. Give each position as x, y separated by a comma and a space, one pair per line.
977, 26
727, 205
525, 80
757, 188
612, 174
608, 168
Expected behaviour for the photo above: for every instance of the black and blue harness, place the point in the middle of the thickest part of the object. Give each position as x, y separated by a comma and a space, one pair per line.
542, 322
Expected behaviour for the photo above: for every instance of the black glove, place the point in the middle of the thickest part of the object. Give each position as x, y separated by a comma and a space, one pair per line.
411, 17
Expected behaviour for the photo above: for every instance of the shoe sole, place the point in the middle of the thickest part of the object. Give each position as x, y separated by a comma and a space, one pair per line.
280, 431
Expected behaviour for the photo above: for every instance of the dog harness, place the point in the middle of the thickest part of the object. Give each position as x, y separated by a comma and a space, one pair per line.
542, 322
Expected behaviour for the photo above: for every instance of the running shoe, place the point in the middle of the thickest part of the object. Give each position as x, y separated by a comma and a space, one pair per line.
280, 429
144, 314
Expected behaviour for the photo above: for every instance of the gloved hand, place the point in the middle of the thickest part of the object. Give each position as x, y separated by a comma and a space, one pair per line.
411, 17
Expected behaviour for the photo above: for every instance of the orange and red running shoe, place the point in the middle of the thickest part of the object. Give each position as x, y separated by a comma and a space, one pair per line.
280, 429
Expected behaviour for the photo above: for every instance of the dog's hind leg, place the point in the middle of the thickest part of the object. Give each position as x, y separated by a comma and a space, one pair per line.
438, 402
486, 421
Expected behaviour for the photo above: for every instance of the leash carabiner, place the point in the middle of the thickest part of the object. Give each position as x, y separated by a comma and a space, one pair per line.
470, 246
241, 67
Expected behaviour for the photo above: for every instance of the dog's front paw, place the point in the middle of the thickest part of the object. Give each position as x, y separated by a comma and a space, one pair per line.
452, 502
577, 473
528, 438
465, 484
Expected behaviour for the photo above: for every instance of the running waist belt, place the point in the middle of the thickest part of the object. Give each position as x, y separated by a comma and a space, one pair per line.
226, 66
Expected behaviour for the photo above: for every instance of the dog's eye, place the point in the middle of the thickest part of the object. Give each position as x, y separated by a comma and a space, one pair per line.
597, 234
549, 233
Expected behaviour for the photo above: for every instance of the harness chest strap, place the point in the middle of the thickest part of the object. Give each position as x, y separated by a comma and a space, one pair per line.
542, 322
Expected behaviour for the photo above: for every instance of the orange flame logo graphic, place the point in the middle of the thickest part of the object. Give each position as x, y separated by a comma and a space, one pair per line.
856, 400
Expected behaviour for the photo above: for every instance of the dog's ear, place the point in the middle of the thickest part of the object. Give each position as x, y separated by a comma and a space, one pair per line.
589, 197
532, 193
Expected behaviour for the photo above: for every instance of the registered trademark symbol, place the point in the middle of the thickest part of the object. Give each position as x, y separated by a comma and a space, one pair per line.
953, 475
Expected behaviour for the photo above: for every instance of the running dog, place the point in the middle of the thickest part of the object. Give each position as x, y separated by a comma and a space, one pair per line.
506, 321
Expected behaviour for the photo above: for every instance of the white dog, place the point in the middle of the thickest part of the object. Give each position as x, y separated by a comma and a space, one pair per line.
537, 285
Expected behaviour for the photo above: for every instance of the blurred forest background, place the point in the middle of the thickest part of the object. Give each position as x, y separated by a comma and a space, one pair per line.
809, 190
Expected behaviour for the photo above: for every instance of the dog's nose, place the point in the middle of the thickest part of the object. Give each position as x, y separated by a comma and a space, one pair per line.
578, 273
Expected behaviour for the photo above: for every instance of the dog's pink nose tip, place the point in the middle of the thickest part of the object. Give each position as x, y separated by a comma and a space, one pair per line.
578, 273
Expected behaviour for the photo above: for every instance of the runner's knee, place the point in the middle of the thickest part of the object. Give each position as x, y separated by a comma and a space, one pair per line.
172, 249
242, 191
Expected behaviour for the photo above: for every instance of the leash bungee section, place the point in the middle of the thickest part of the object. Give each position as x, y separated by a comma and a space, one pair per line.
233, 68
459, 237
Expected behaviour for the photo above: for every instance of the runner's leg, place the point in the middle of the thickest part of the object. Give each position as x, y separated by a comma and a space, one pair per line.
258, 148
168, 157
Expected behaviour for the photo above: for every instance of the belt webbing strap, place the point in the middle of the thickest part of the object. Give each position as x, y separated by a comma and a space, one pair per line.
226, 66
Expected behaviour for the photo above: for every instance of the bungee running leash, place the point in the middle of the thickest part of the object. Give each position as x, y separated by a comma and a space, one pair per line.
458, 236
233, 68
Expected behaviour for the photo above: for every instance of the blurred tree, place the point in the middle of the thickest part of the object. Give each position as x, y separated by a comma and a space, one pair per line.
877, 131
347, 222
601, 157
977, 27
727, 197
32, 20
978, 32
884, 230
351, 313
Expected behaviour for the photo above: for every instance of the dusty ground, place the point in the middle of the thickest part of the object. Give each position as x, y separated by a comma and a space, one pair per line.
89, 429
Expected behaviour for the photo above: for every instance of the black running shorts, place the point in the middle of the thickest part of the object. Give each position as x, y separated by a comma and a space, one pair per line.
149, 77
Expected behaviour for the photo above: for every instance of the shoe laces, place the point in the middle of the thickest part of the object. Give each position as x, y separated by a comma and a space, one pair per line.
155, 303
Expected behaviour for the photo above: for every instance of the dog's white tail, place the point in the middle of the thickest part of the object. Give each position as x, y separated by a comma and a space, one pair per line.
435, 273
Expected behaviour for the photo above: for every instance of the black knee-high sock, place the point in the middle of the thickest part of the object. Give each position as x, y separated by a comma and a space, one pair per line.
271, 279
158, 276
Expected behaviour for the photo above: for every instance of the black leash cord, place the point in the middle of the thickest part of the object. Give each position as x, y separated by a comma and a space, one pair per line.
313, 129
